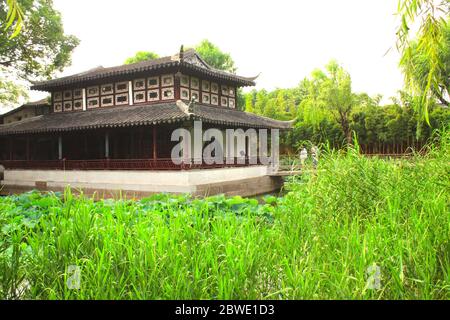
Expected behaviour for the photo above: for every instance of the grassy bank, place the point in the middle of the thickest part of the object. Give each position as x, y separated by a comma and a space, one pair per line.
319, 241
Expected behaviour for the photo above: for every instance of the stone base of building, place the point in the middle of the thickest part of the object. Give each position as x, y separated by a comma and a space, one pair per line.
243, 181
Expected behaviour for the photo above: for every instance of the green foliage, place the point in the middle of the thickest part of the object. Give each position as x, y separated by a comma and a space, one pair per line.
141, 56
417, 65
315, 243
279, 104
331, 91
391, 124
327, 111
14, 18
324, 97
10, 92
425, 61
39, 49
215, 57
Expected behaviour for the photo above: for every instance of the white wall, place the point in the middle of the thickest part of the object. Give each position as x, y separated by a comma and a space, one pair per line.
150, 181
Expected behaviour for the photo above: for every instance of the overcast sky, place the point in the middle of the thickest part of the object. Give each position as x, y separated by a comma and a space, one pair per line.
284, 40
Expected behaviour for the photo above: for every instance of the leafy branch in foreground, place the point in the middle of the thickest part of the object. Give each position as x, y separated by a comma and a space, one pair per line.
14, 16
423, 62
39, 50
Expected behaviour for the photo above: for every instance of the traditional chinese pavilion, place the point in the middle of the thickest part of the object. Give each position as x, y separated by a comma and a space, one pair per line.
109, 130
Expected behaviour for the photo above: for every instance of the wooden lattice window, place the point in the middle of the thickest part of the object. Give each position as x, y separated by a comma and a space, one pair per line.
167, 94
224, 90
206, 98
78, 105
195, 95
57, 96
185, 94
121, 99
139, 84
57, 107
167, 80
184, 81
139, 96
77, 93
107, 101
214, 87
153, 95
195, 84
107, 89
215, 99
68, 95
92, 91
67, 105
153, 82
92, 103
122, 86
206, 86
224, 101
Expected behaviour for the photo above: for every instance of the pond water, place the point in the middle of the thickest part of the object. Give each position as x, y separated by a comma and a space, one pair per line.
277, 193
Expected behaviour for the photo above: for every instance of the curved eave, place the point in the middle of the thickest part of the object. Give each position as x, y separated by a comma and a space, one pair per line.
280, 126
140, 115
93, 127
241, 81
57, 84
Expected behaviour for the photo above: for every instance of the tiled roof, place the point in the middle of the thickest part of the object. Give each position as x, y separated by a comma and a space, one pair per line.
43, 102
137, 115
240, 118
190, 60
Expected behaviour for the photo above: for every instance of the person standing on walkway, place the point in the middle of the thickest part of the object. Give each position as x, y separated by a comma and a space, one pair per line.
303, 156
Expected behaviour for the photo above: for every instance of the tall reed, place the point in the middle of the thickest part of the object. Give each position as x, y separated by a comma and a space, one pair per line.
320, 241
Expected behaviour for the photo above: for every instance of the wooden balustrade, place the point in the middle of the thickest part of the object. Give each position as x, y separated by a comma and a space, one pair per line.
116, 164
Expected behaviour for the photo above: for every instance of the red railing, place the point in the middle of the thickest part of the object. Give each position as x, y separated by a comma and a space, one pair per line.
116, 164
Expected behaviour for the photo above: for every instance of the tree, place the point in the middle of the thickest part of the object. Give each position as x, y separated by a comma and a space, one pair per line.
215, 57
422, 59
141, 56
336, 92
329, 95
420, 63
37, 51
270, 109
249, 101
260, 102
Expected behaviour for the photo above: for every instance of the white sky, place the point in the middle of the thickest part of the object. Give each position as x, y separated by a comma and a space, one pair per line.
284, 39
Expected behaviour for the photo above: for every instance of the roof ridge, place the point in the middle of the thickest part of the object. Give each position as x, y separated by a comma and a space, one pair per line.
41, 102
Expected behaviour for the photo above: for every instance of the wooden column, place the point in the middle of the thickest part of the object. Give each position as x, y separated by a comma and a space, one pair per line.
141, 152
107, 145
132, 149
130, 93
155, 152
85, 147
11, 148
28, 148
84, 99
60, 148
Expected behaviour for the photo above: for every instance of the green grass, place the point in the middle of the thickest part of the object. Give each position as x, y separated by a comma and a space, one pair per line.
317, 242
